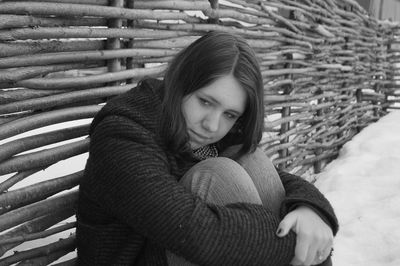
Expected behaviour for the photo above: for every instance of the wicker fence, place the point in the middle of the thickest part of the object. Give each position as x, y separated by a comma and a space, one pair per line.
329, 70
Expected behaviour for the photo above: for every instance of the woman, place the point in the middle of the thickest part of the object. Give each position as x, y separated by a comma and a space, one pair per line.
174, 176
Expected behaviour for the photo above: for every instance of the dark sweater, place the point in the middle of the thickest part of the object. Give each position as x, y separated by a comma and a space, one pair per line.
131, 207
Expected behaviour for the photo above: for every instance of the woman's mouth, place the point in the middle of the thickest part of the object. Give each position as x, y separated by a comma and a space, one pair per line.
199, 136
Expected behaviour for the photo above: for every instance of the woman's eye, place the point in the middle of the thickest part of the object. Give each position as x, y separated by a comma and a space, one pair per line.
231, 116
204, 101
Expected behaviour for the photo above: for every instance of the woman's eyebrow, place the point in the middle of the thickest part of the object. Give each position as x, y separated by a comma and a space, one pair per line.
215, 101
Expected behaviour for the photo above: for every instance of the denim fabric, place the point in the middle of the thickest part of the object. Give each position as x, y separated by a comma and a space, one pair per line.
251, 179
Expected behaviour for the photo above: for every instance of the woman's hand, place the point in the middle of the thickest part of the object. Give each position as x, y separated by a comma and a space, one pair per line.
314, 237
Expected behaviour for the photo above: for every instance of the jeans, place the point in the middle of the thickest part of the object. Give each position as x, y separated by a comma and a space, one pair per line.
251, 179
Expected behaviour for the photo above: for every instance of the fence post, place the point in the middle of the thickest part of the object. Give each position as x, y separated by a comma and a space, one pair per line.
114, 65
318, 151
389, 36
214, 5
359, 98
286, 111
130, 64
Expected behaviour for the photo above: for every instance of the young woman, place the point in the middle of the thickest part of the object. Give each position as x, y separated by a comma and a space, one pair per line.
174, 175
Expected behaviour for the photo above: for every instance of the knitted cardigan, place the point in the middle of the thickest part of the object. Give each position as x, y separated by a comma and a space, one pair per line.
131, 207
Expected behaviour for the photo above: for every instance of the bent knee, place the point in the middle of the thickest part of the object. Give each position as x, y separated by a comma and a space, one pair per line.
219, 164
221, 180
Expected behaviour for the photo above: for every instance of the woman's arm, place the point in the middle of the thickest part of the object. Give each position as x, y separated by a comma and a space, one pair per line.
311, 217
134, 184
300, 192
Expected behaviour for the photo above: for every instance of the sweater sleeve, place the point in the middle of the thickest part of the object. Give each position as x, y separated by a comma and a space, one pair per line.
133, 183
301, 192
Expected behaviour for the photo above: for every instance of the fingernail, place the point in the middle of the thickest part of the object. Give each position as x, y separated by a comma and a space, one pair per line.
279, 231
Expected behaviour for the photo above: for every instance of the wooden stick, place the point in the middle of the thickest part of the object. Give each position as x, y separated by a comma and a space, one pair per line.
281, 19
19, 21
173, 5
71, 262
80, 56
37, 209
286, 119
10, 96
38, 235
220, 13
4, 186
48, 258
78, 82
44, 157
35, 47
114, 65
48, 118
35, 225
195, 29
63, 99
78, 10
14, 75
23, 144
62, 244
86, 2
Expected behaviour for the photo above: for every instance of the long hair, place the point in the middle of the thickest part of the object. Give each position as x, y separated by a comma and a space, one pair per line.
210, 57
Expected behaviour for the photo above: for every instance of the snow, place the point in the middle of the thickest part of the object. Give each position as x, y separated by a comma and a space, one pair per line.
363, 186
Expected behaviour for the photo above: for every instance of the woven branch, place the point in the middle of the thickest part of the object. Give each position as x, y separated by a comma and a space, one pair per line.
78, 82
78, 10
71, 262
14, 75
44, 157
63, 244
35, 225
63, 99
172, 5
32, 47
86, 2
48, 118
64, 33
23, 144
221, 13
176, 42
10, 96
41, 234
48, 258
37, 209
4, 186
246, 8
84, 56
18, 21
202, 28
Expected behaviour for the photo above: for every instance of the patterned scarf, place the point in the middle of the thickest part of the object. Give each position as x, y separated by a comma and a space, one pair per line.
208, 151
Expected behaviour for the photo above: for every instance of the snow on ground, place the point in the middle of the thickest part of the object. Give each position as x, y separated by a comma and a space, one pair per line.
363, 185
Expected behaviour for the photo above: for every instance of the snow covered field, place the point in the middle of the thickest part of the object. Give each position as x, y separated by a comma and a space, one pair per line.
363, 185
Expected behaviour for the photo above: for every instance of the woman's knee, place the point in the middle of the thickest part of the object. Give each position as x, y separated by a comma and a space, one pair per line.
221, 181
265, 178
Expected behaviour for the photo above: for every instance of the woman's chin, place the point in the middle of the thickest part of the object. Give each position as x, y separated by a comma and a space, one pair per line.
195, 145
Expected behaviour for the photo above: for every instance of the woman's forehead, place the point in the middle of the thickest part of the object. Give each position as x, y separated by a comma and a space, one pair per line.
227, 92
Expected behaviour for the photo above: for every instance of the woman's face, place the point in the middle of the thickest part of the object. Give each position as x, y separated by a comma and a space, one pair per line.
210, 112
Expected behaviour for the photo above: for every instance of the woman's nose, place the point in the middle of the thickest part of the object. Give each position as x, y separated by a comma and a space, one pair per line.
211, 122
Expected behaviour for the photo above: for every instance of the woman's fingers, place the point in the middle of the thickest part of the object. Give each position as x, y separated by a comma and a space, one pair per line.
323, 254
286, 224
314, 237
311, 254
302, 250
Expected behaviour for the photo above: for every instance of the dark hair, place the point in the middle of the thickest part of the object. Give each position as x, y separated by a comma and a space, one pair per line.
210, 57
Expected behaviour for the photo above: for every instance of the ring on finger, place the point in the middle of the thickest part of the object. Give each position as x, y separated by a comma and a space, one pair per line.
320, 255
